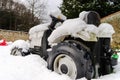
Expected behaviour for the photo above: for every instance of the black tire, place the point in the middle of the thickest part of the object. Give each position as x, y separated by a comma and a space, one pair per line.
66, 58
18, 52
105, 67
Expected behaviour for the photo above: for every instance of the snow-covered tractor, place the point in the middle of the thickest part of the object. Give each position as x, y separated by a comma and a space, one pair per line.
77, 47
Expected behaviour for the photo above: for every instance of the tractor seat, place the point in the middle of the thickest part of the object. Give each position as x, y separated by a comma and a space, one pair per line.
90, 17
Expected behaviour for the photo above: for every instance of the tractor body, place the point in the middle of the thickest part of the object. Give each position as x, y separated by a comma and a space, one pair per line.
74, 48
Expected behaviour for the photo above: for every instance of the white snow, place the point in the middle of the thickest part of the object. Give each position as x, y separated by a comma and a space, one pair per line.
69, 27
76, 28
38, 28
36, 33
83, 14
33, 67
43, 27
105, 30
20, 44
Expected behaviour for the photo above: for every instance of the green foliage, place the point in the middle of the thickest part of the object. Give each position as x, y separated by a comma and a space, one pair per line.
72, 8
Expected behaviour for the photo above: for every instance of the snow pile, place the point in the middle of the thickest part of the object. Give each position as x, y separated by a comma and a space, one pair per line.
38, 28
74, 27
24, 45
78, 28
31, 67
91, 29
105, 30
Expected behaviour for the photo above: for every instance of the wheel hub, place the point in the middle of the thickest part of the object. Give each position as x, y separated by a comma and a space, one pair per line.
64, 64
64, 69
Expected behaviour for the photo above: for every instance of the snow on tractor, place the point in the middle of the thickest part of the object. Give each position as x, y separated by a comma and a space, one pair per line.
77, 47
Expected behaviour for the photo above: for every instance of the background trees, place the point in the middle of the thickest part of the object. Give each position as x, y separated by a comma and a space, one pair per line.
16, 16
72, 8
37, 8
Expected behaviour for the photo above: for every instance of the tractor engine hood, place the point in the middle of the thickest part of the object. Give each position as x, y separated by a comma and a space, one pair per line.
36, 34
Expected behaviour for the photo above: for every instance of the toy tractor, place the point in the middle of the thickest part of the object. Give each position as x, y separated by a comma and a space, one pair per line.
77, 47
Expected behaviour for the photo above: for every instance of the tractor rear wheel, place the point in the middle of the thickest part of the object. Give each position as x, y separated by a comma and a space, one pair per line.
67, 58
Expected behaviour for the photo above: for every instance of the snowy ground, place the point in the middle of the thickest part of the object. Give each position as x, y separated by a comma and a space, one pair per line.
33, 67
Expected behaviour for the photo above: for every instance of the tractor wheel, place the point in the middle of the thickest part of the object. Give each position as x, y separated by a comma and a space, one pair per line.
105, 68
66, 58
18, 52
20, 47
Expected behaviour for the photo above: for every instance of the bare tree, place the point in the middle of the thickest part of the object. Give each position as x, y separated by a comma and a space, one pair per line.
16, 16
38, 8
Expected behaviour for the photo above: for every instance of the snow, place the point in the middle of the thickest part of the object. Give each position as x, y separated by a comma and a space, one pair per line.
43, 27
78, 28
20, 44
105, 30
69, 27
36, 33
38, 28
33, 67
83, 14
